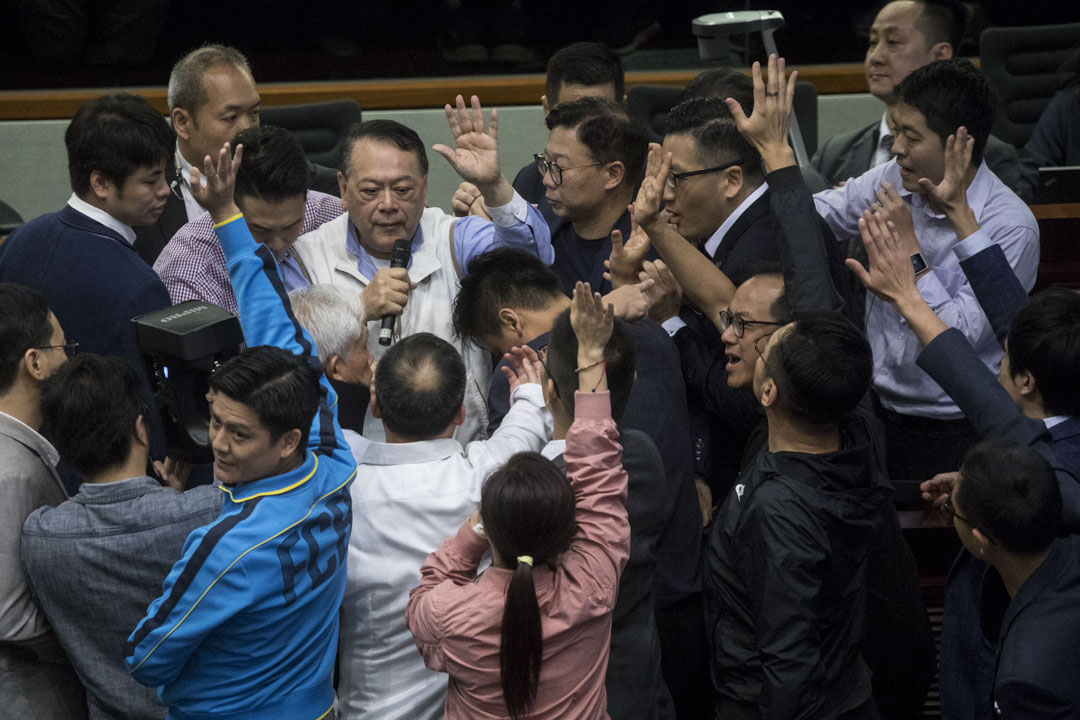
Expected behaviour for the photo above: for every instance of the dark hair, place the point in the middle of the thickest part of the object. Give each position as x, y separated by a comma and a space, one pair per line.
951, 93
722, 83
186, 87
274, 167
24, 324
822, 366
1044, 339
709, 122
620, 358
419, 386
503, 277
384, 131
607, 129
584, 63
1010, 492
115, 135
942, 21
282, 389
527, 507
89, 407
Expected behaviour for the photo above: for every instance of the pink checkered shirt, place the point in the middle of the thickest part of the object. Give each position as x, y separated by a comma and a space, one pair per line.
192, 265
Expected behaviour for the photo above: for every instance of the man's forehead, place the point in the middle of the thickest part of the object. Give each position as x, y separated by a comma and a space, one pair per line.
564, 141
899, 16
568, 92
906, 117
756, 295
384, 160
683, 149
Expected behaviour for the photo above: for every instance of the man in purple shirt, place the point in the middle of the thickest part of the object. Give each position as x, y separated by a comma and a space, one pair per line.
272, 190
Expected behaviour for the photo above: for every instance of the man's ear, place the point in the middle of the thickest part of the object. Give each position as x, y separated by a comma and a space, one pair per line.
614, 175
376, 411
100, 185
343, 186
770, 394
512, 322
942, 51
142, 435
544, 102
1025, 381
181, 123
982, 542
733, 181
31, 360
459, 416
331, 368
288, 443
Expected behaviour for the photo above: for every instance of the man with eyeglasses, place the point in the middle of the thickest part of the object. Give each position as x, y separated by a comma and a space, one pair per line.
36, 679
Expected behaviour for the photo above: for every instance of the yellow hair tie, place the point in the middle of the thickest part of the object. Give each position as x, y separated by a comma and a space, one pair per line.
527, 559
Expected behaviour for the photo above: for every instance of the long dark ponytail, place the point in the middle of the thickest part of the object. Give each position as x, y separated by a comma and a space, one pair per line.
528, 511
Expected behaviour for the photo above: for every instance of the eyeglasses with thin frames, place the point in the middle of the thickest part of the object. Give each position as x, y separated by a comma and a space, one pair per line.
730, 319
543, 165
674, 178
69, 348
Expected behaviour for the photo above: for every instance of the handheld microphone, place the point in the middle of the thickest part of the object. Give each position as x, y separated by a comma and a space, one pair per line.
399, 258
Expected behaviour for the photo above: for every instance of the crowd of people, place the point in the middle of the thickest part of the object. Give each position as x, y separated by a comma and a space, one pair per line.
636, 447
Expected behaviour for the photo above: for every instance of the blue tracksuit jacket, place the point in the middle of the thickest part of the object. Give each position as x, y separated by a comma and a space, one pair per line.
247, 623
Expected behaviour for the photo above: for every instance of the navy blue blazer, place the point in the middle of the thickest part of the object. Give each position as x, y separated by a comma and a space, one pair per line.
996, 287
95, 284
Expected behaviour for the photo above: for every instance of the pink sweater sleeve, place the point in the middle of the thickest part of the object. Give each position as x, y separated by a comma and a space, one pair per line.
593, 458
452, 565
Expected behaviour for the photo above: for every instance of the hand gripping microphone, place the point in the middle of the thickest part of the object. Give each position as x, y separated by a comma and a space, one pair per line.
399, 258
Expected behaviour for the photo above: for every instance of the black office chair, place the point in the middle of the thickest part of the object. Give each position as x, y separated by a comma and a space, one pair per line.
1021, 64
320, 127
650, 104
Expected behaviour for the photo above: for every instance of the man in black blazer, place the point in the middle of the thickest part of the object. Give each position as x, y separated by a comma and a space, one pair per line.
212, 97
906, 35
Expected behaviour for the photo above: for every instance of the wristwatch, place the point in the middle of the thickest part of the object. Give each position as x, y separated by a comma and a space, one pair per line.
918, 263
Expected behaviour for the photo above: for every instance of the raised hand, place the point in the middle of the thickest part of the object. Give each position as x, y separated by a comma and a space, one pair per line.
890, 276
213, 187
951, 193
645, 211
626, 258
938, 488
593, 324
476, 154
523, 366
468, 201
890, 207
767, 127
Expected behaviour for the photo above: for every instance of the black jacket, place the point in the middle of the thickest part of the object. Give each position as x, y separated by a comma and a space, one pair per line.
785, 578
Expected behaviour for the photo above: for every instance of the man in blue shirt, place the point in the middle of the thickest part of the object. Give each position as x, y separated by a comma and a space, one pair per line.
246, 626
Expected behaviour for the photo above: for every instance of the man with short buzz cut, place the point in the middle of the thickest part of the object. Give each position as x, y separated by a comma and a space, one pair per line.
591, 164
416, 488
272, 192
1006, 505
272, 566
97, 560
947, 205
82, 258
384, 190
905, 35
36, 679
212, 97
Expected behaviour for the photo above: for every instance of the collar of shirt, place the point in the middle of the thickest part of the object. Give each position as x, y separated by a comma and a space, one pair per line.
275, 484
365, 263
191, 205
99, 215
421, 451
713, 243
977, 192
882, 155
554, 449
1056, 420
43, 447
116, 491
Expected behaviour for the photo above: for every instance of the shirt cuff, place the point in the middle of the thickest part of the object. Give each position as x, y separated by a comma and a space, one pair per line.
511, 214
530, 391
973, 244
470, 544
673, 325
592, 406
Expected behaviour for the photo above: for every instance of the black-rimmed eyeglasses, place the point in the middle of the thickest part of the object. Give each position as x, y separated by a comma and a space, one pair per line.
673, 178
69, 348
543, 165
730, 319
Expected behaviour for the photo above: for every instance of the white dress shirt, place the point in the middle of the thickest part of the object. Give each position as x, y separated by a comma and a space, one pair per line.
714, 241
883, 151
407, 499
1003, 218
191, 205
97, 214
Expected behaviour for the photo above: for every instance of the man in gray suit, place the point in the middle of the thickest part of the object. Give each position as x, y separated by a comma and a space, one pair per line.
36, 679
906, 35
96, 561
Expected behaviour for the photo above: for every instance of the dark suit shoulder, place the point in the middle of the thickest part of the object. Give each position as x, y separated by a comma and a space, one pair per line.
846, 155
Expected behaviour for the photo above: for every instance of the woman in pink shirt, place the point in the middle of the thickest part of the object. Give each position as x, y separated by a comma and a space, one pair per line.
530, 637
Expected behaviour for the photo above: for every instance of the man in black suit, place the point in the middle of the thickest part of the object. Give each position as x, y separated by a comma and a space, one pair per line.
212, 97
906, 35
